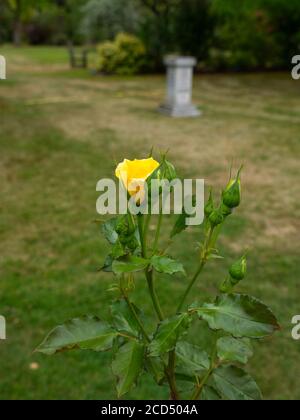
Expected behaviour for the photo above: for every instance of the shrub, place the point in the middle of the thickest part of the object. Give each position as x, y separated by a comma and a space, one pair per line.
124, 56
208, 370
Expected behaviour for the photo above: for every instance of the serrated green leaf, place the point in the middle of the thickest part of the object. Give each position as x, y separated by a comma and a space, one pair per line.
235, 384
117, 250
239, 315
129, 265
168, 333
107, 265
155, 367
109, 230
127, 365
210, 394
85, 333
191, 359
166, 265
230, 349
123, 319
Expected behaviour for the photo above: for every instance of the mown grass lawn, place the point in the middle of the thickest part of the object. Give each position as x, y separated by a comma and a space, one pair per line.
60, 132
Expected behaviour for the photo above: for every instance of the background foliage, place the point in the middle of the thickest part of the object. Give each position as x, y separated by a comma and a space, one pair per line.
222, 34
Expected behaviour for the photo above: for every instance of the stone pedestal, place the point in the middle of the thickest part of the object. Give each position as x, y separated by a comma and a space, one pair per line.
179, 87
2, 68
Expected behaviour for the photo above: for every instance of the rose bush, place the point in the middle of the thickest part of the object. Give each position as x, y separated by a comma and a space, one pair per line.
234, 319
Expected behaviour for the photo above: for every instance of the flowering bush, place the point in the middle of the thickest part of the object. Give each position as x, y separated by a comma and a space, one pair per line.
234, 319
124, 56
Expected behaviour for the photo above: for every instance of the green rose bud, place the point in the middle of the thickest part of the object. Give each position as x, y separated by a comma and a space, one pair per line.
122, 226
226, 211
226, 286
216, 218
169, 171
209, 207
238, 270
232, 194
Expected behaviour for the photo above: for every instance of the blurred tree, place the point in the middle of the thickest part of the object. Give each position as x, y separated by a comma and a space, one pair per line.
22, 11
5, 23
157, 28
193, 27
104, 19
71, 14
244, 36
285, 18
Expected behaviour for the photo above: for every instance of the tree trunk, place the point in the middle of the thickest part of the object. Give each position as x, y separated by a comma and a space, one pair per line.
18, 28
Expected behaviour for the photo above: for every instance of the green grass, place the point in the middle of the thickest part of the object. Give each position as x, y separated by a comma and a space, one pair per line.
60, 132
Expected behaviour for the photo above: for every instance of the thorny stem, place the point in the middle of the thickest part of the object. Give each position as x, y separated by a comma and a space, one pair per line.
213, 365
157, 231
133, 311
170, 369
204, 256
203, 261
154, 298
170, 378
171, 372
143, 230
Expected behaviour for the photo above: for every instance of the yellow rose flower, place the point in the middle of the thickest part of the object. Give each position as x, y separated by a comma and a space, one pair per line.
134, 173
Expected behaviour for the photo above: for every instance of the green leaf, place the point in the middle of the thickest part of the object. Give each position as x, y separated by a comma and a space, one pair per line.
191, 358
109, 230
127, 365
117, 250
155, 367
121, 234
129, 265
210, 394
85, 333
166, 265
168, 333
235, 384
239, 315
180, 224
123, 319
107, 265
168, 170
234, 350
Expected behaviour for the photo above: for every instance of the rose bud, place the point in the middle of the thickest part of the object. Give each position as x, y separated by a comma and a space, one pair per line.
232, 194
226, 211
216, 218
238, 270
209, 207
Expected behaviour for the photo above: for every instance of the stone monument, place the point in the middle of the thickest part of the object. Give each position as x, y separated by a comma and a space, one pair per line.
179, 87
2, 68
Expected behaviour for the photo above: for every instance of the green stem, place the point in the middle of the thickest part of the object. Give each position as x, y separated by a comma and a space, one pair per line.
191, 284
170, 378
203, 261
154, 298
213, 365
135, 315
160, 218
140, 219
171, 375
143, 230
199, 388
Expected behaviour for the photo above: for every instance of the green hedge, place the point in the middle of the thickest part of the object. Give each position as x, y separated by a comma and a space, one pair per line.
124, 56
